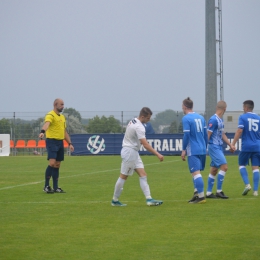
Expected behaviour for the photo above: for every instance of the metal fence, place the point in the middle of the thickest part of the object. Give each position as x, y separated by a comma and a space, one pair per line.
27, 125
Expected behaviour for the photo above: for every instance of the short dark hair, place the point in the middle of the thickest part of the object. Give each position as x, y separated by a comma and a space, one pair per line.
145, 111
188, 103
221, 105
249, 104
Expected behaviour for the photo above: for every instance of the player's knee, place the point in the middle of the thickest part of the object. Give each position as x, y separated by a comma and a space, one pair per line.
57, 165
214, 171
52, 164
224, 168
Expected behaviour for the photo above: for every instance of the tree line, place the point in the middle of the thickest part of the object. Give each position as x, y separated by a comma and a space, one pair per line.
168, 121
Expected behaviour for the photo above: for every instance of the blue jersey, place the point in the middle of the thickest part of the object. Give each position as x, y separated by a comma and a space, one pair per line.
216, 126
250, 123
195, 134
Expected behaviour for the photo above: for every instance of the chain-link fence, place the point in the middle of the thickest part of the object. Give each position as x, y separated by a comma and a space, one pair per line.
27, 125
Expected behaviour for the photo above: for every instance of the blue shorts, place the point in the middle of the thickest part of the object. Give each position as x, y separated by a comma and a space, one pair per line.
217, 156
244, 157
196, 162
55, 149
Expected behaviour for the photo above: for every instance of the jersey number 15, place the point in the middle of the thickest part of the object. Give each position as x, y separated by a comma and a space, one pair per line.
253, 124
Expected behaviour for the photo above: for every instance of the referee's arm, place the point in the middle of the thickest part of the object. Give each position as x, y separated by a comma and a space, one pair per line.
67, 138
44, 128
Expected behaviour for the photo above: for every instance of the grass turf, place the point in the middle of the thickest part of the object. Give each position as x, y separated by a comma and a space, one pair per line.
81, 224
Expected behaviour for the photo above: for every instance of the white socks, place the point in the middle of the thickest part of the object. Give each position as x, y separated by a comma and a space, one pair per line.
120, 184
118, 188
145, 187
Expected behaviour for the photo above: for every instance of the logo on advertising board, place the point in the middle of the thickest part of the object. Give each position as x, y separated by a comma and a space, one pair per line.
96, 144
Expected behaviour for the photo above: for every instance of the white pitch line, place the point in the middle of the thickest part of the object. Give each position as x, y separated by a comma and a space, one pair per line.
76, 175
61, 202
105, 202
25, 184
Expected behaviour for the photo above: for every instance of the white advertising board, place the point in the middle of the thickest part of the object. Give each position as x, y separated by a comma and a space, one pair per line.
4, 144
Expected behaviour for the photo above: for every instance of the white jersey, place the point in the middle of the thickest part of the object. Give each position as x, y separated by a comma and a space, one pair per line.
134, 132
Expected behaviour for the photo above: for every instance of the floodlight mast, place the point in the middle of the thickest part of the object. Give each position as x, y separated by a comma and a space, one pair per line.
211, 60
220, 50
212, 70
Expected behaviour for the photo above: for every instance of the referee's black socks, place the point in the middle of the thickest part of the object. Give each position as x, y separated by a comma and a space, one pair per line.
48, 174
55, 177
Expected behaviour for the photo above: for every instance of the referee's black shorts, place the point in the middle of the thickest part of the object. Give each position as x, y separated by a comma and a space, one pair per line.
55, 149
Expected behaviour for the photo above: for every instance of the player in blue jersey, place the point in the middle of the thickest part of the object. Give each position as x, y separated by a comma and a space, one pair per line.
194, 145
216, 136
249, 129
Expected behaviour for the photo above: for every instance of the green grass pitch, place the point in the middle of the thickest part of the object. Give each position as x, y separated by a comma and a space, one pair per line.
82, 224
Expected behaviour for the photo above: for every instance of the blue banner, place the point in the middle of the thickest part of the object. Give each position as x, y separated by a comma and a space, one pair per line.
111, 144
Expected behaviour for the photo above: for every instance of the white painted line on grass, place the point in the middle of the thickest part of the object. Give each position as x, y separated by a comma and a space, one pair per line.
77, 175
105, 202
21, 185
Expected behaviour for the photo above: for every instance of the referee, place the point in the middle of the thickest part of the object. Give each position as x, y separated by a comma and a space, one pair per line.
55, 130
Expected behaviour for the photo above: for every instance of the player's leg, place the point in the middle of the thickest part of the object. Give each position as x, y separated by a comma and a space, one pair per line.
127, 169
196, 164
211, 181
243, 160
48, 174
256, 181
221, 163
199, 183
56, 166
143, 182
213, 171
255, 162
244, 175
55, 177
139, 168
221, 176
55, 172
200, 188
118, 190
195, 193
51, 156
195, 189
218, 162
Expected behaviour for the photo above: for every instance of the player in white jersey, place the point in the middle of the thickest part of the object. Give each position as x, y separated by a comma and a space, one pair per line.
131, 161
194, 145
249, 129
216, 136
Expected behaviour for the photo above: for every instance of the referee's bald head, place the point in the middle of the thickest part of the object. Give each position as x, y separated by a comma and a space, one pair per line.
57, 101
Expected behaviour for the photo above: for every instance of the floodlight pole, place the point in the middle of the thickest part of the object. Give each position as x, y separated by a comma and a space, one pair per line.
220, 50
210, 55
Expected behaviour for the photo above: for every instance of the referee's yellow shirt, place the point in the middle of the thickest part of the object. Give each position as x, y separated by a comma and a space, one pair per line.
57, 126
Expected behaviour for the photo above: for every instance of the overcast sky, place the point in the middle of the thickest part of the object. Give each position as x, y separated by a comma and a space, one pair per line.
121, 55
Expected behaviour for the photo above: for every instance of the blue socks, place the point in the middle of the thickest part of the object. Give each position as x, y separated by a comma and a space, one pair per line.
211, 180
221, 176
194, 185
244, 174
256, 179
199, 184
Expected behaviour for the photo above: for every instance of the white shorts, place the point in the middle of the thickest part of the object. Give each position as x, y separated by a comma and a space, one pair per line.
130, 161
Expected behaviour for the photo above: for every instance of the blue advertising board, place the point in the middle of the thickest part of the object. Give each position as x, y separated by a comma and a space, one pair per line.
111, 144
